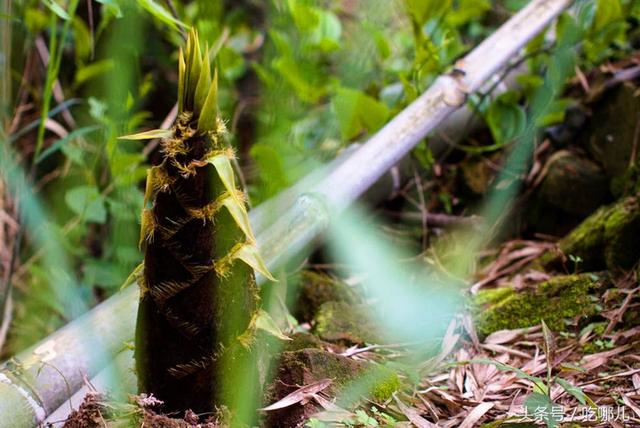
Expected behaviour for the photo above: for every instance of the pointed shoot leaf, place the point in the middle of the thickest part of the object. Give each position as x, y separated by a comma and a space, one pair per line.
224, 169
265, 323
209, 113
148, 135
250, 255
239, 214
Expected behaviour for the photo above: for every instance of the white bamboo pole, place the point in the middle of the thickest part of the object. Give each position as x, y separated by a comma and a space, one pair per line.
56, 366
445, 96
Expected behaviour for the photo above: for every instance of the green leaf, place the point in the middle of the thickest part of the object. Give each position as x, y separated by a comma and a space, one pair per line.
290, 71
506, 119
113, 6
607, 11
573, 390
249, 254
265, 323
538, 383
515, 5
209, 114
82, 39
555, 112
57, 9
148, 135
160, 13
93, 70
468, 11
305, 17
36, 20
568, 31
58, 144
103, 273
87, 202
97, 109
540, 407
74, 153
423, 10
272, 169
327, 34
357, 111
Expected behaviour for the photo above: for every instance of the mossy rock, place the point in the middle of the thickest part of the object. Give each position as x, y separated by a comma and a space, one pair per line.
307, 366
318, 288
384, 383
606, 239
621, 232
477, 174
345, 323
560, 298
610, 136
573, 184
301, 341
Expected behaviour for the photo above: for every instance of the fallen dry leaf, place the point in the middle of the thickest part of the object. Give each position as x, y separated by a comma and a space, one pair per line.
305, 393
476, 414
414, 415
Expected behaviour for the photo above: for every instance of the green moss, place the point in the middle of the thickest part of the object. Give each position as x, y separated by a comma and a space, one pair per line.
303, 341
554, 301
345, 323
606, 239
388, 383
610, 134
318, 288
492, 295
591, 348
587, 240
573, 184
621, 232
311, 365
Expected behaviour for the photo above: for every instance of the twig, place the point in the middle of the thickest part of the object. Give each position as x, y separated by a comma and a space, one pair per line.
439, 220
174, 13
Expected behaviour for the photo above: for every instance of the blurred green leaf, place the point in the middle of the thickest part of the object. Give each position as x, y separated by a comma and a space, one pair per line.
299, 80
266, 323
87, 202
103, 273
113, 6
57, 9
304, 16
58, 144
515, 5
74, 153
357, 111
327, 34
36, 20
555, 112
467, 11
422, 10
160, 13
573, 390
607, 11
506, 119
93, 70
539, 384
539, 405
271, 167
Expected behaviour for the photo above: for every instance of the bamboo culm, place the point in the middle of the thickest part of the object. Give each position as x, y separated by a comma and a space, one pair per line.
198, 294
